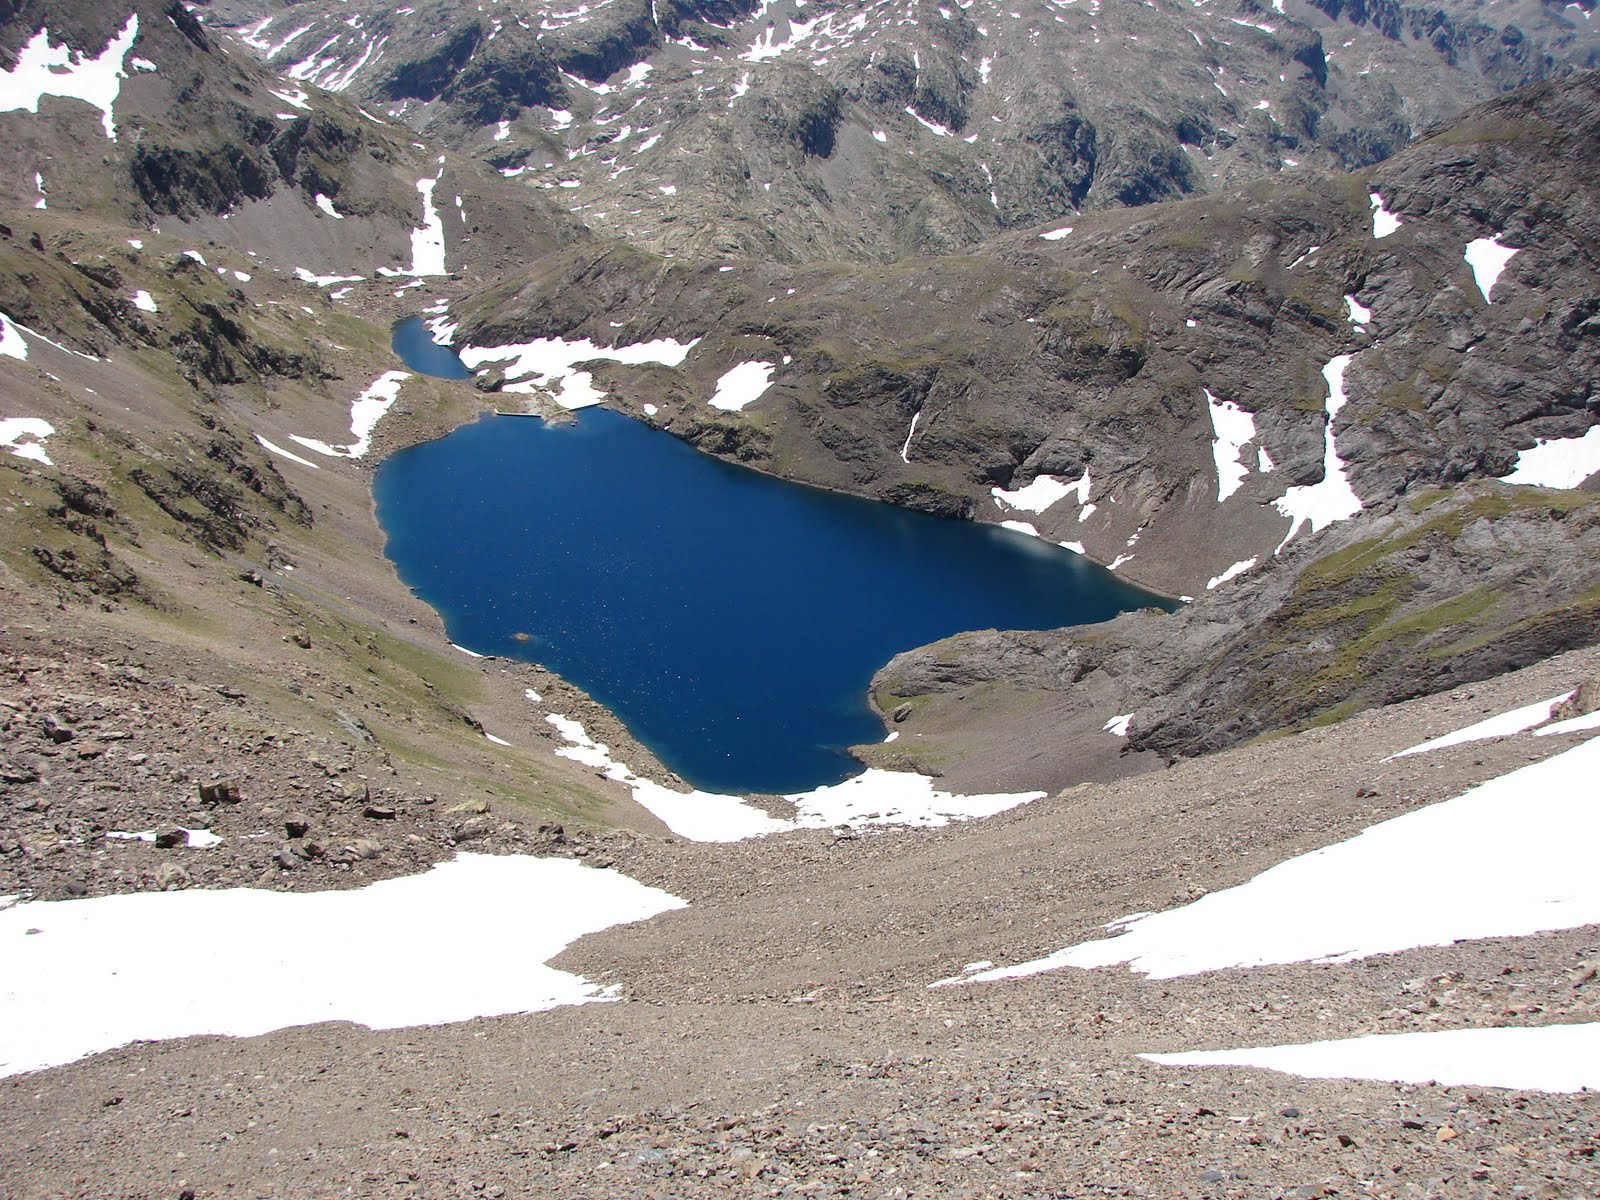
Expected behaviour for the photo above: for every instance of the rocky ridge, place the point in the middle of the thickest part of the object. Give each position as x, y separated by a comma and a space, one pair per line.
867, 132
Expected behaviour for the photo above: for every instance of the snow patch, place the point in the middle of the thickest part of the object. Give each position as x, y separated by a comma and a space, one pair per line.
549, 364
741, 385
875, 797
1384, 222
1487, 258
199, 839
1332, 499
326, 206
272, 448
1117, 727
1544, 1058
1055, 235
1233, 428
1360, 315
1233, 572
1530, 831
25, 436
905, 450
257, 960
145, 302
1044, 492
45, 70
365, 412
933, 128
306, 276
1552, 463
1501, 725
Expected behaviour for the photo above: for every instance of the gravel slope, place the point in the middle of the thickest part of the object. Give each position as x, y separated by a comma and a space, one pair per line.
778, 1037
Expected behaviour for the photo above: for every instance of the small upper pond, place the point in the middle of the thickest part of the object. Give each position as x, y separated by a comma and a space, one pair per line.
733, 621
411, 340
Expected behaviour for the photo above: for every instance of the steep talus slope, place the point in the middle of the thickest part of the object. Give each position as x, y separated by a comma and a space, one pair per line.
190, 601
820, 131
778, 1034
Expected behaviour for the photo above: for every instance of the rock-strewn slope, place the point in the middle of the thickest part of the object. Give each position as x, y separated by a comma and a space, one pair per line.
777, 1037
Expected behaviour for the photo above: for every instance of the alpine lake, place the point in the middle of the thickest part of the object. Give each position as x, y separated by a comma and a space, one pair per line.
732, 620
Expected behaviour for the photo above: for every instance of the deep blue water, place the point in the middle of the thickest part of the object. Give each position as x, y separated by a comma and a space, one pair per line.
733, 621
411, 340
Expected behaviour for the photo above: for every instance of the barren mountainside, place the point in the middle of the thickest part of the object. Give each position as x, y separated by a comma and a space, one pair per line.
1291, 311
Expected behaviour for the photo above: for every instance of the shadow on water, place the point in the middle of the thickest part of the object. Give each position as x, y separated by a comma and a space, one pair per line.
411, 340
732, 620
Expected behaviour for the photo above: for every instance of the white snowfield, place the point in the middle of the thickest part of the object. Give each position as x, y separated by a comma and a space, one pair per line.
85, 979
199, 839
1487, 258
46, 70
1532, 832
25, 437
1558, 462
1046, 491
741, 385
1546, 1058
312, 277
274, 448
1233, 572
874, 797
427, 243
1332, 499
1500, 725
549, 364
12, 343
1233, 428
1384, 222
365, 412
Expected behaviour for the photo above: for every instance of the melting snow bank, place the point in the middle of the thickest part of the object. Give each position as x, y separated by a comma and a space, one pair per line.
85, 979
273, 448
1545, 1058
14, 429
427, 243
365, 413
198, 839
874, 797
1333, 499
548, 364
1554, 462
1501, 725
1233, 428
46, 70
1044, 492
12, 343
1384, 222
1392, 887
742, 384
1487, 258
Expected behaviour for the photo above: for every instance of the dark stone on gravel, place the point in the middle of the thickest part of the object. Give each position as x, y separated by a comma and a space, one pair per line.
296, 825
171, 837
223, 791
54, 728
378, 812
